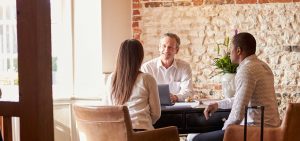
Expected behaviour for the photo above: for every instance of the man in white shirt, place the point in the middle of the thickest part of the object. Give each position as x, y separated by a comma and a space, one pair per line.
168, 70
254, 87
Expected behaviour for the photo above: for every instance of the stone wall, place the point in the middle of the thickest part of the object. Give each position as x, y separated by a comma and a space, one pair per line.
202, 25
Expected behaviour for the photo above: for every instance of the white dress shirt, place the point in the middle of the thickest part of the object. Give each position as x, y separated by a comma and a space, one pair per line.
178, 76
254, 82
143, 104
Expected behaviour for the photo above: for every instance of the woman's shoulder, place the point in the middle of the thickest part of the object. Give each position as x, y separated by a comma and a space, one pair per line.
148, 78
146, 75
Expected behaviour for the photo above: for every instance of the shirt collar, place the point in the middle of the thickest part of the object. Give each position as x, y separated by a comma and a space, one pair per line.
159, 64
247, 59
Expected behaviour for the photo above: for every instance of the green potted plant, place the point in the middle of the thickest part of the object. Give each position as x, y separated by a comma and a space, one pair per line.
224, 63
228, 69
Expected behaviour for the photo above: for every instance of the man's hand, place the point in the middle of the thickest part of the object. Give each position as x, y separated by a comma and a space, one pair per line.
174, 98
210, 109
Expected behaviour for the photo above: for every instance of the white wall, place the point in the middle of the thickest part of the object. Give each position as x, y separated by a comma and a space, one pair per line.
116, 27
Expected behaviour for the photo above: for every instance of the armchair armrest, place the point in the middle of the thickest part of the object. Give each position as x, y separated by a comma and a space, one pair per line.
161, 134
236, 133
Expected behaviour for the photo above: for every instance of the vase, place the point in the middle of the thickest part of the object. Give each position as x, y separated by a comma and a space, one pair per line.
228, 85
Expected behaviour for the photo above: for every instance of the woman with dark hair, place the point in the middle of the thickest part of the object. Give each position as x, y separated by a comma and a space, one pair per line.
127, 85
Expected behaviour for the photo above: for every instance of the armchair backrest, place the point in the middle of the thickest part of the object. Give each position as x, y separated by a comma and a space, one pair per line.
288, 131
103, 123
291, 123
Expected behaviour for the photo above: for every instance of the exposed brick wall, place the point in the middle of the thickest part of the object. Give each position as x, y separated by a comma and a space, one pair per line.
203, 23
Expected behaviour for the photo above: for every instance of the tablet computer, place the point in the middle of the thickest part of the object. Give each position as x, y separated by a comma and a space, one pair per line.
164, 95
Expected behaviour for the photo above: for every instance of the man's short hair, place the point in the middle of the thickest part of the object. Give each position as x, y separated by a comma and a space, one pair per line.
174, 36
246, 42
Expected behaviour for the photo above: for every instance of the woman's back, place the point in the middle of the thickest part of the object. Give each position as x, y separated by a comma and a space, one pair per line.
143, 104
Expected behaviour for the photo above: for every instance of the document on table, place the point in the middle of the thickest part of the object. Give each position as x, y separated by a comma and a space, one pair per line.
186, 104
194, 104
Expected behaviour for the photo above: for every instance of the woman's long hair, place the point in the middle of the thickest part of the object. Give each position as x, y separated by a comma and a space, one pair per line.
130, 58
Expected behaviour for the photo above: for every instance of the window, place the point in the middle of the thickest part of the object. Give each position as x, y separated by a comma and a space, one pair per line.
76, 49
61, 36
8, 51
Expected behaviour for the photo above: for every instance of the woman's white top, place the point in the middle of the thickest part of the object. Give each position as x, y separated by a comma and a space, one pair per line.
143, 104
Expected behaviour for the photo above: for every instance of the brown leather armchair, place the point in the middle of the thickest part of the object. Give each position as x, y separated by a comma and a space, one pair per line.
288, 131
112, 123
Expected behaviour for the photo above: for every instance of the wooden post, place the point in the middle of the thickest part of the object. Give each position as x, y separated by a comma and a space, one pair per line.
34, 66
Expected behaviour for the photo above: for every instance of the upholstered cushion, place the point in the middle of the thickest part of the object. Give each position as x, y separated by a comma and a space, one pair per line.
112, 123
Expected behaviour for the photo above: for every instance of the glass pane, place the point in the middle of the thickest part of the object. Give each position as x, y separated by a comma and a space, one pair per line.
7, 38
1, 12
8, 51
8, 12
61, 36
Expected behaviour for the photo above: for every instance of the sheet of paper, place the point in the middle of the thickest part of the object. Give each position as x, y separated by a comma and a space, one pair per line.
194, 104
197, 104
191, 104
